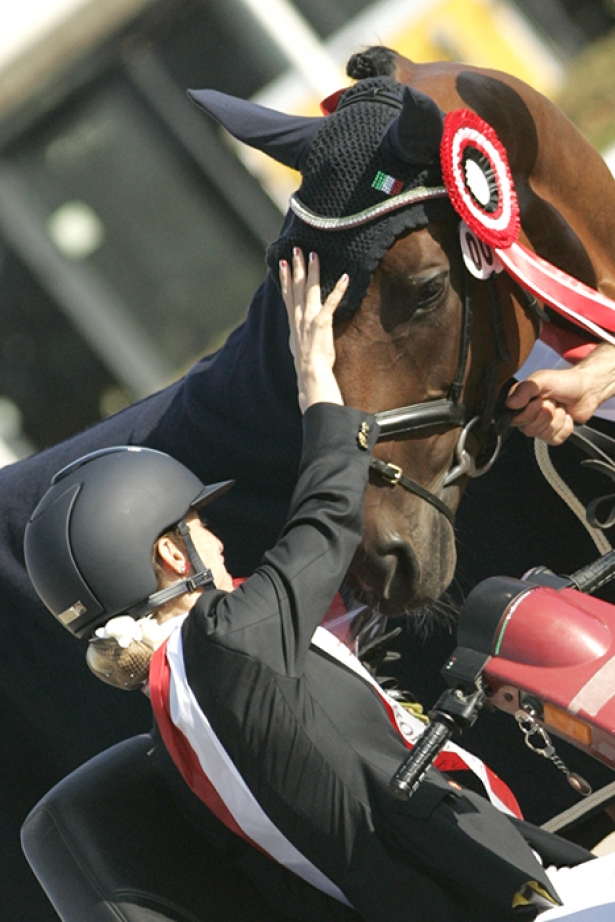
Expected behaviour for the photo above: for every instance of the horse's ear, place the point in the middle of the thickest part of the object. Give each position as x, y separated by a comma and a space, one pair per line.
286, 138
415, 135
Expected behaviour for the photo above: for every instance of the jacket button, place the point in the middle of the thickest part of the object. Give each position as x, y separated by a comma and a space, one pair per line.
362, 436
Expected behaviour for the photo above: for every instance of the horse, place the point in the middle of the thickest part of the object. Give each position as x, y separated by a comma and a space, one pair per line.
408, 555
511, 520
410, 346
565, 221
419, 342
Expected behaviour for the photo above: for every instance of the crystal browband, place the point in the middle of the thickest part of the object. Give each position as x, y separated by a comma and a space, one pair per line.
322, 222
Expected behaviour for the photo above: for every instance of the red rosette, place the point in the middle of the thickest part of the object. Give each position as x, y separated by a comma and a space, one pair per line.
478, 180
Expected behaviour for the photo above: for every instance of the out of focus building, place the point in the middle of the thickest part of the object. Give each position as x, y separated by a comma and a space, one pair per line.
132, 232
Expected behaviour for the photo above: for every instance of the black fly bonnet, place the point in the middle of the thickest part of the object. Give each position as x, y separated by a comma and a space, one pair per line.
370, 172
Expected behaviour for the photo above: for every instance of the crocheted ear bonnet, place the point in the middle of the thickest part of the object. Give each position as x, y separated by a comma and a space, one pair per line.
377, 152
352, 165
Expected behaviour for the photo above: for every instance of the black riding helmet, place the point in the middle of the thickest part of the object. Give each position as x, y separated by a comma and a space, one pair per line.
88, 544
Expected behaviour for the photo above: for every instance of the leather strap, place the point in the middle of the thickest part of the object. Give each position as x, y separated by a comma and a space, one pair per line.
599, 446
427, 415
601, 449
394, 475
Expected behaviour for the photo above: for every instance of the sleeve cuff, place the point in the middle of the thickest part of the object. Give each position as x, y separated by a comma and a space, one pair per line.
327, 425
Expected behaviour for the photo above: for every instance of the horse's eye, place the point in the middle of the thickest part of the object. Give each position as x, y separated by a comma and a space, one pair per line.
411, 299
431, 291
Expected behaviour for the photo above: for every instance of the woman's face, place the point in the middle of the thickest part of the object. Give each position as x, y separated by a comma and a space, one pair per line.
211, 551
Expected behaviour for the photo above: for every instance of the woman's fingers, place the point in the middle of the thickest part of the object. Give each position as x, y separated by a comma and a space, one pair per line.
299, 280
284, 273
333, 301
289, 302
300, 287
313, 304
311, 327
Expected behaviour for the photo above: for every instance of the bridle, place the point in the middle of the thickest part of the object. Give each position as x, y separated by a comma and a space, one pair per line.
449, 412
445, 412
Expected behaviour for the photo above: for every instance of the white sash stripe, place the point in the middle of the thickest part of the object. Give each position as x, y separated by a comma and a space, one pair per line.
223, 774
215, 762
408, 725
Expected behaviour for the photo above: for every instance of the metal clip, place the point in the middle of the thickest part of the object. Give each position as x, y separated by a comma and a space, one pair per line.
531, 728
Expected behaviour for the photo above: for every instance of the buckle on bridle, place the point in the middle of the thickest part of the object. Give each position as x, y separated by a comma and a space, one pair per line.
391, 473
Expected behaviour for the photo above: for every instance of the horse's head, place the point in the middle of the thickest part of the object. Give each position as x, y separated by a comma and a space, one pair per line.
439, 345
414, 330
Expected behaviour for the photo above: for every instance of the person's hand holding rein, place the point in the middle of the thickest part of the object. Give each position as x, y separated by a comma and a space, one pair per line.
551, 401
311, 329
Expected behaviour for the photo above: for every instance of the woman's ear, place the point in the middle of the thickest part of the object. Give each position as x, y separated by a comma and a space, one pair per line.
172, 557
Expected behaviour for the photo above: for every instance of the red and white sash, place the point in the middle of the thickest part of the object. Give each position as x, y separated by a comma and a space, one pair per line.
209, 771
452, 758
212, 776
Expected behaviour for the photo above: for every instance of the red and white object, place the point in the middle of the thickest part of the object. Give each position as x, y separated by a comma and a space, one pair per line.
477, 177
558, 646
480, 186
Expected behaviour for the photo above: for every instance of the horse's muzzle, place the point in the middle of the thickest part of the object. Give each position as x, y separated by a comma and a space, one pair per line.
388, 578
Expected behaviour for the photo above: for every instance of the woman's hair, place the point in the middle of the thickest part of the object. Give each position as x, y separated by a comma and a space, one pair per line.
123, 667
127, 666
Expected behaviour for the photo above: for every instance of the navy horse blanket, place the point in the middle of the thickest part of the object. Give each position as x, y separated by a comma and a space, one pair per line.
233, 415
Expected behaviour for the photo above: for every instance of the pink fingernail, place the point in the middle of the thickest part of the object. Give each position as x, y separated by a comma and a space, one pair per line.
283, 265
312, 257
296, 251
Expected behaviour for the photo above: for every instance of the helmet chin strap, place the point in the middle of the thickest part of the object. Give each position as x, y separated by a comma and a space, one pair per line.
202, 576
197, 564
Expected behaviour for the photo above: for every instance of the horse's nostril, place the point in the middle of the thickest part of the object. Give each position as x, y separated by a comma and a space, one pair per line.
400, 575
399, 566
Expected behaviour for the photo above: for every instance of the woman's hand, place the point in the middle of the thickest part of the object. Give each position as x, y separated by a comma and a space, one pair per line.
311, 329
550, 402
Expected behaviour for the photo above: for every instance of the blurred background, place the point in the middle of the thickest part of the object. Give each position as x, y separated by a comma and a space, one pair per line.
132, 232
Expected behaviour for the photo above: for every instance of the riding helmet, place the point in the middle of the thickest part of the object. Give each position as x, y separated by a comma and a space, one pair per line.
88, 545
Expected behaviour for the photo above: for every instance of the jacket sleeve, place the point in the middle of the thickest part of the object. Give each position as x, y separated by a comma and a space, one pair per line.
272, 616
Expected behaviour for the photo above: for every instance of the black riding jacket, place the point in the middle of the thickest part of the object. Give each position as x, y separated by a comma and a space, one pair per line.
310, 739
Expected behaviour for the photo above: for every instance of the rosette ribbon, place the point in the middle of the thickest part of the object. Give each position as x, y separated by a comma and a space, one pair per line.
480, 185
